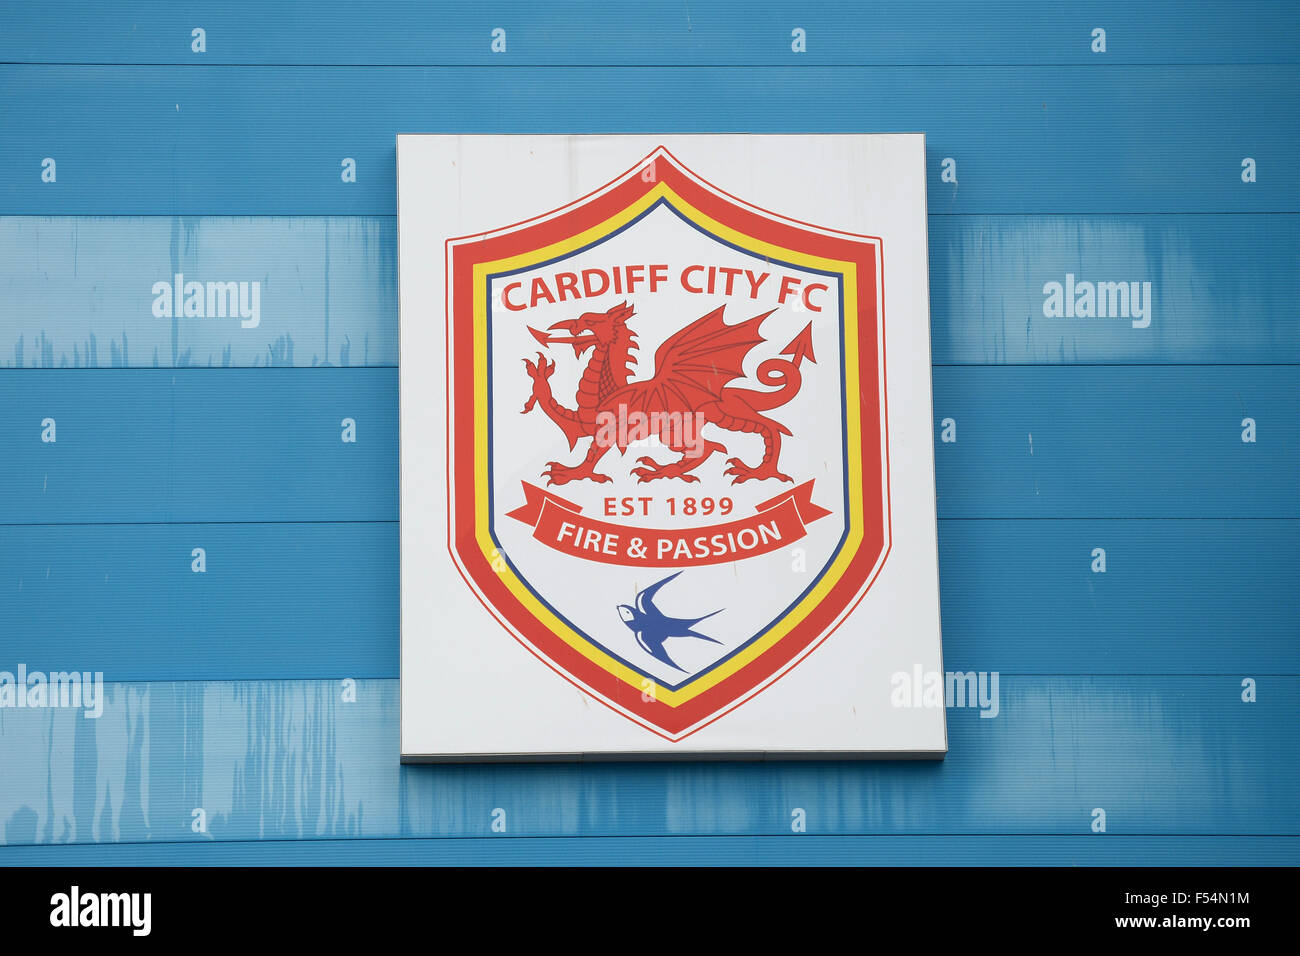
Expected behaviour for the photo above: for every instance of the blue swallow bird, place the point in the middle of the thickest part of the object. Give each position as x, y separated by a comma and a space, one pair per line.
652, 627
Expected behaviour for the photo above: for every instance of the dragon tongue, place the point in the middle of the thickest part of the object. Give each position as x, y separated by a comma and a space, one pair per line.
540, 336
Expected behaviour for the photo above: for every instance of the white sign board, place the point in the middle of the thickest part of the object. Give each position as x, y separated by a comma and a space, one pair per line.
667, 457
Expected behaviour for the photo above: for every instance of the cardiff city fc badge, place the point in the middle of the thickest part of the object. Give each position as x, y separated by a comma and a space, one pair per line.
667, 438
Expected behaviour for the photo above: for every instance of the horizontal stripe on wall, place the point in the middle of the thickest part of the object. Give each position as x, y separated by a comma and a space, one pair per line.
653, 33
297, 601
1216, 289
273, 601
103, 292
137, 445
80, 291
1120, 597
291, 760
797, 850
164, 140
1118, 442
199, 445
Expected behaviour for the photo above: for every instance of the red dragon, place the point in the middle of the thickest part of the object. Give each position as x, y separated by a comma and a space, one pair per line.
693, 370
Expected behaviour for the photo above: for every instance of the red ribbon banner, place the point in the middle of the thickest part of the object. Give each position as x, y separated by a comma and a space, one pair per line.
560, 524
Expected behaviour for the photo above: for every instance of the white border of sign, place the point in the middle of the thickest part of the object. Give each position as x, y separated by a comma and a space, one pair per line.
470, 691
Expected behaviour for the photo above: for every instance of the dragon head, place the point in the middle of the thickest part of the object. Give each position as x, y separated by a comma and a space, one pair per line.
588, 329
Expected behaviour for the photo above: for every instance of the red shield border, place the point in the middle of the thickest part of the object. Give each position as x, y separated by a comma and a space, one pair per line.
481, 565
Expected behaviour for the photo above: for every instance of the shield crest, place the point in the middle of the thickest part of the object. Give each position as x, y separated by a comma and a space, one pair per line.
668, 463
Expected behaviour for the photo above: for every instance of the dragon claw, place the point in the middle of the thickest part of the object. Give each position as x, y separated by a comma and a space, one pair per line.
652, 470
540, 370
557, 473
741, 472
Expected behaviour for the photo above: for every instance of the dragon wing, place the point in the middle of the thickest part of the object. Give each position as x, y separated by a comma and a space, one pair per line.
694, 363
645, 600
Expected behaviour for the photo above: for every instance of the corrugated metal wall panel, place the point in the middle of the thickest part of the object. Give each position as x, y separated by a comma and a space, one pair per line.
1120, 689
319, 600
187, 445
574, 32
289, 760
176, 140
79, 291
803, 850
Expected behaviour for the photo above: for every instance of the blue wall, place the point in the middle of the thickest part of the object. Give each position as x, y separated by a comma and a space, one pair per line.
1121, 690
